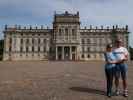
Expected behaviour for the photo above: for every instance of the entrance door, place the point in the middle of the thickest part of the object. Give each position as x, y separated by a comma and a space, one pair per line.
73, 52
73, 57
59, 53
66, 53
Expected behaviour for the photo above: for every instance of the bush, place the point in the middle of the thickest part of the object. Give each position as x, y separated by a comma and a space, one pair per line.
131, 53
1, 48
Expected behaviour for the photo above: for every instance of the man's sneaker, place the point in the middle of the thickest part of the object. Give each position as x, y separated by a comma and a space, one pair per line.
125, 93
117, 92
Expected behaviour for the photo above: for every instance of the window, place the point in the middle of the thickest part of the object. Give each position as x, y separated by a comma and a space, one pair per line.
32, 48
82, 55
100, 40
32, 40
88, 49
39, 41
21, 49
10, 40
83, 42
27, 49
27, 41
73, 32
83, 49
66, 31
44, 49
44, 41
73, 49
88, 56
60, 31
88, 41
10, 49
21, 41
38, 48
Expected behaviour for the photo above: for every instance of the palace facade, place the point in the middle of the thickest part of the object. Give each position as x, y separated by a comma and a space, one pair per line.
65, 41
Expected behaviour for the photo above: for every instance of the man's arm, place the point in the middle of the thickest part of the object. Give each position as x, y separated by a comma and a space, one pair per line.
126, 54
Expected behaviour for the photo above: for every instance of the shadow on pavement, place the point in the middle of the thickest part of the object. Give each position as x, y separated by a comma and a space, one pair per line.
89, 90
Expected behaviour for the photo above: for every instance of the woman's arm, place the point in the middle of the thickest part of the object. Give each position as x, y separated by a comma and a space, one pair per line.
112, 62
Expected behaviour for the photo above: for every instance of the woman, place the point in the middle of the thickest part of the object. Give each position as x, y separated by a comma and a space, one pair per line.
111, 61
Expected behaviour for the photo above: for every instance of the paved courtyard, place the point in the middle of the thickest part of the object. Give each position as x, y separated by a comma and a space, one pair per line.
45, 80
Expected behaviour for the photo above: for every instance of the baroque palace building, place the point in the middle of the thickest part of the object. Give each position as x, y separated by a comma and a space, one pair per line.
65, 41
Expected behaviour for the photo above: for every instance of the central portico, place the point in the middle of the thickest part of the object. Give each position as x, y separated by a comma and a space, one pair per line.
66, 52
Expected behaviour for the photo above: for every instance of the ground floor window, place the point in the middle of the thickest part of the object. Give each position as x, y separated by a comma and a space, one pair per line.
82, 55
88, 55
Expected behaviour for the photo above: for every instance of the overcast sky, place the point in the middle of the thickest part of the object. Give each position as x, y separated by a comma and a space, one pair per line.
92, 12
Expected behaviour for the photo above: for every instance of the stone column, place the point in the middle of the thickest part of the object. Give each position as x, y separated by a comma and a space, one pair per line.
56, 50
6, 48
76, 56
13, 45
70, 52
62, 52
6, 44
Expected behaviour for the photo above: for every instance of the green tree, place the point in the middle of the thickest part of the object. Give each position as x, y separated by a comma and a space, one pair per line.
1, 48
131, 53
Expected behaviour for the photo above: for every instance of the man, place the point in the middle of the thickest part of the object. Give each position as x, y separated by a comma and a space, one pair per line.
121, 67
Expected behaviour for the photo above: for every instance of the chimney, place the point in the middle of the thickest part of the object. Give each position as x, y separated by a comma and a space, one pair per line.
15, 26
113, 27
85, 27
5, 27
24, 27
41, 26
126, 27
30, 27
19, 27
116, 26
102, 27
36, 27
90, 26
96, 27
66, 12
77, 13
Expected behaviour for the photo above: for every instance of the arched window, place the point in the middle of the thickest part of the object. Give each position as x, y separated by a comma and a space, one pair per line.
32, 48
88, 41
38, 48
60, 32
88, 49
21, 49
73, 32
27, 49
44, 41
83, 41
82, 55
66, 31
21, 41
27, 41
32, 40
44, 49
88, 55
38, 40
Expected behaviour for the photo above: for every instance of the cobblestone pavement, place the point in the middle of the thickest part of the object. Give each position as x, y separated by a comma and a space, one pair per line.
41, 80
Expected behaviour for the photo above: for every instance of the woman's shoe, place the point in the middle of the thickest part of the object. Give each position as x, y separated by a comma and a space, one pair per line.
109, 95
